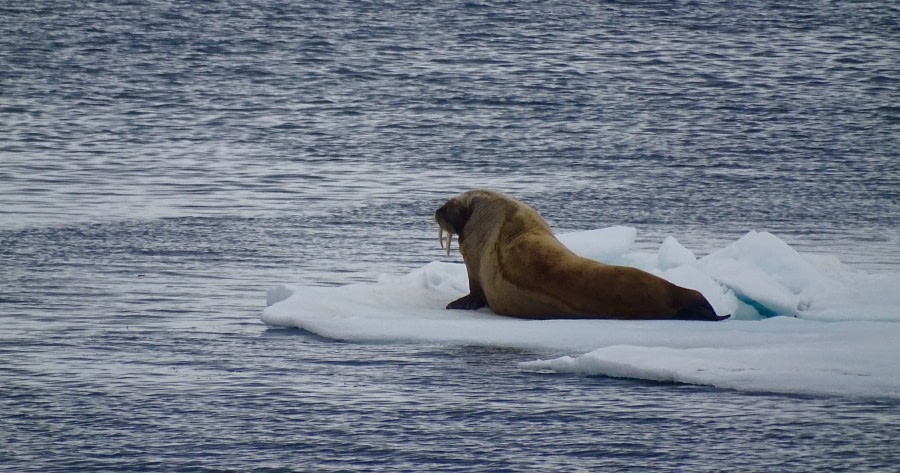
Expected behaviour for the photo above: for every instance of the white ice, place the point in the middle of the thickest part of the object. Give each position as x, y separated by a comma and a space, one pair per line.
801, 324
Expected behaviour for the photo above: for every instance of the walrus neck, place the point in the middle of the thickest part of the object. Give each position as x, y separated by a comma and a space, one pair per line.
478, 228
485, 222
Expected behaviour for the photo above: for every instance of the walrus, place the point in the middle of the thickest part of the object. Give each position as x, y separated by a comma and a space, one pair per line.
518, 268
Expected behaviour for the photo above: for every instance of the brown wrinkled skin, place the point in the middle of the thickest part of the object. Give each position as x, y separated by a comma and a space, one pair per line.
518, 268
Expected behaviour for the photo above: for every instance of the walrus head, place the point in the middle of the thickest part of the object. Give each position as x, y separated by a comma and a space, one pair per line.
452, 218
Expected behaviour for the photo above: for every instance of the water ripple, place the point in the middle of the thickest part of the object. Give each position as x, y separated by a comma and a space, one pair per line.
162, 164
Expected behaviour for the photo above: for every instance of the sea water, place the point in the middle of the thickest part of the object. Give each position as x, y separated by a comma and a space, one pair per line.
164, 164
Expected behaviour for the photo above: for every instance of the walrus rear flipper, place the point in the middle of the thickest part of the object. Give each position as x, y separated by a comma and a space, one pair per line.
713, 318
700, 311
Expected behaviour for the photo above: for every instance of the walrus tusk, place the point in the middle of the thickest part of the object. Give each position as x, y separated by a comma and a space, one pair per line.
441, 238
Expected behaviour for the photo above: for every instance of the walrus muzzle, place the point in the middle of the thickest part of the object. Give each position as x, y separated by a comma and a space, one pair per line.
451, 218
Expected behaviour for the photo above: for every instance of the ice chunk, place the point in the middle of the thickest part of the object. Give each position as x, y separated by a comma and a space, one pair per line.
672, 254
771, 256
278, 294
604, 245
849, 358
764, 272
852, 354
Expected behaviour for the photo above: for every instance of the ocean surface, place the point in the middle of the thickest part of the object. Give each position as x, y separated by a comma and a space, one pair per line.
162, 164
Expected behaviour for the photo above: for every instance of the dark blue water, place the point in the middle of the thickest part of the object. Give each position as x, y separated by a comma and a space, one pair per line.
163, 164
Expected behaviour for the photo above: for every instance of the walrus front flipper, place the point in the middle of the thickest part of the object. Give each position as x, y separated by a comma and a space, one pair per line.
700, 311
467, 302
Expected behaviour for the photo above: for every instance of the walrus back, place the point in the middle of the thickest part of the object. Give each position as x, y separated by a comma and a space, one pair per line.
552, 282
